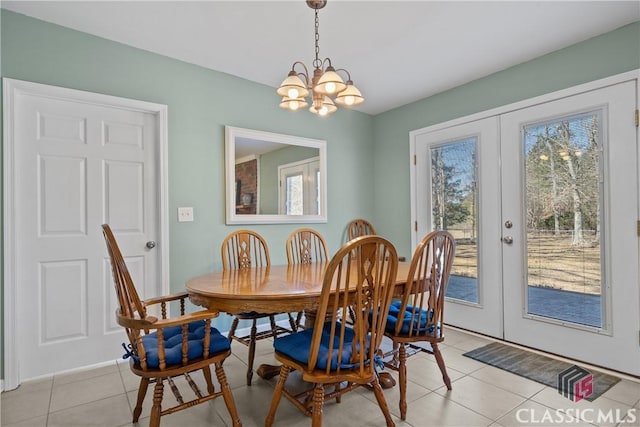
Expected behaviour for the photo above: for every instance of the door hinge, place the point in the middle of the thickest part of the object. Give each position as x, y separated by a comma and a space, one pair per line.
638, 228
415, 160
637, 118
415, 225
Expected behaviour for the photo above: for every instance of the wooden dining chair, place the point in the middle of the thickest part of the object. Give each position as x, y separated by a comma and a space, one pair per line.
304, 246
418, 314
359, 227
161, 349
332, 356
241, 250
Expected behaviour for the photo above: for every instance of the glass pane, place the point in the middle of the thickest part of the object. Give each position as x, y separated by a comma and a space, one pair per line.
563, 198
454, 203
295, 200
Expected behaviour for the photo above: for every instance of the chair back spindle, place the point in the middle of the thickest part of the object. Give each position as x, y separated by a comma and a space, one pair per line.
306, 245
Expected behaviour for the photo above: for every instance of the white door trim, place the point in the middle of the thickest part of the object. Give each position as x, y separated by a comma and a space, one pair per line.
11, 89
563, 93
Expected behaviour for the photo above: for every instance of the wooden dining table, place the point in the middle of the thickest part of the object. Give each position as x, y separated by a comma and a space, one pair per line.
270, 289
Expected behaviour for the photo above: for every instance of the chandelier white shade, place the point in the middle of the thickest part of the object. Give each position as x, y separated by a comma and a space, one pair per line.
326, 87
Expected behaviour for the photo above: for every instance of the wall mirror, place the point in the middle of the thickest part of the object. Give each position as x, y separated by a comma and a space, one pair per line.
274, 178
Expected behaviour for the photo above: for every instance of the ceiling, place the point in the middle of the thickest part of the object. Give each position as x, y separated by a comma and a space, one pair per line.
396, 51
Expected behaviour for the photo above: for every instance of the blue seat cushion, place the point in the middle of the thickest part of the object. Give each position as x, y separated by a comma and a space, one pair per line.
172, 338
297, 346
420, 322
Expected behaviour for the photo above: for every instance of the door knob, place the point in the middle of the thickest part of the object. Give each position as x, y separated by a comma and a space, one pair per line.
151, 244
508, 224
507, 239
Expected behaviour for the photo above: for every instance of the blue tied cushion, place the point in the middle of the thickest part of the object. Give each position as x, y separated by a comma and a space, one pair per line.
173, 344
420, 322
297, 346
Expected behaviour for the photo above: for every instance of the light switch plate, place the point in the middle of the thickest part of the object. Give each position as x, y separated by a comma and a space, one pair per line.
185, 214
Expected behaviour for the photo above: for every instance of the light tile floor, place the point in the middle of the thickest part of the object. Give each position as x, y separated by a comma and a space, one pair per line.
482, 396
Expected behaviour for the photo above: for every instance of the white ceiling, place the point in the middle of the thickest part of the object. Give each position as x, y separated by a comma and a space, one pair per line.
396, 51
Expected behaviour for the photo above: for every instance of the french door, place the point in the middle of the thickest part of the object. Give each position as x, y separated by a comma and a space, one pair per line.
543, 202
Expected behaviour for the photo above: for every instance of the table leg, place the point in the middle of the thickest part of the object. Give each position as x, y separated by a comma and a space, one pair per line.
268, 371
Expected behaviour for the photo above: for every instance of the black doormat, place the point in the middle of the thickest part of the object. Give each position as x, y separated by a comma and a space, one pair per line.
535, 367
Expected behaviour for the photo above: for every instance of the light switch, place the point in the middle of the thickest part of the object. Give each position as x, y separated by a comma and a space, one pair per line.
185, 214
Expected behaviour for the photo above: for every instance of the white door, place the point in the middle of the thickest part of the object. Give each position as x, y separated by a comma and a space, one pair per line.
543, 202
77, 164
570, 191
452, 165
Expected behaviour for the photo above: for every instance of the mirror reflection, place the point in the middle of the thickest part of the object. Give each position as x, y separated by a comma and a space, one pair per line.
274, 177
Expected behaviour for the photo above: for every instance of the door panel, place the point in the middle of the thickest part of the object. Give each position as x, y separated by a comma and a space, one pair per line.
78, 165
452, 164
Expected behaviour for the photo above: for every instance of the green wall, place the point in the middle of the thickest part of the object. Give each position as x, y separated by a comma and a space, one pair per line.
364, 153
612, 53
200, 103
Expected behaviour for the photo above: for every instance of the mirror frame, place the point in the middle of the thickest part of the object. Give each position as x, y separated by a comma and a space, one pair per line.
231, 133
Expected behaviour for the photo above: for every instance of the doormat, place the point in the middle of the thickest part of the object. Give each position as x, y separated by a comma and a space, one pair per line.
536, 367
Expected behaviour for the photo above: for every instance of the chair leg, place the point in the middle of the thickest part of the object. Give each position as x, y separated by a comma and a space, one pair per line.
206, 371
402, 370
293, 323
157, 403
274, 327
298, 320
382, 402
142, 392
234, 326
440, 361
277, 395
318, 401
252, 351
227, 395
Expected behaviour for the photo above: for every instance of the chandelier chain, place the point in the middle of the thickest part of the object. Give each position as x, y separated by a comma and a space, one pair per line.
317, 63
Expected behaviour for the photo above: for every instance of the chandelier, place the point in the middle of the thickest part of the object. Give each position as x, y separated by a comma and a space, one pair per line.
325, 86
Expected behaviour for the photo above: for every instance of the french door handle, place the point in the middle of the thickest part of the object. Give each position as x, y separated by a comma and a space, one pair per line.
507, 239
151, 244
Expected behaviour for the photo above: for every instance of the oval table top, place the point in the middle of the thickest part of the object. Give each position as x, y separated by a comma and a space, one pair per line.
273, 289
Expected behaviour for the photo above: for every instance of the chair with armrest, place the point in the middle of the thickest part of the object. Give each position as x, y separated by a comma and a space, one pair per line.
161, 349
331, 355
418, 315
304, 246
243, 249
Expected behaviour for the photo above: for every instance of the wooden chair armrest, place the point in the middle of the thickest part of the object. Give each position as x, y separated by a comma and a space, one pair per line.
166, 298
154, 323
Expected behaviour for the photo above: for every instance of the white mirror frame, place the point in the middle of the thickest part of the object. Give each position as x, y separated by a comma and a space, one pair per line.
231, 133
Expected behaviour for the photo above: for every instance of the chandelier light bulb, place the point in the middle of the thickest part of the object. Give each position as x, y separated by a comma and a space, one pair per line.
349, 100
323, 111
330, 87
294, 105
293, 93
